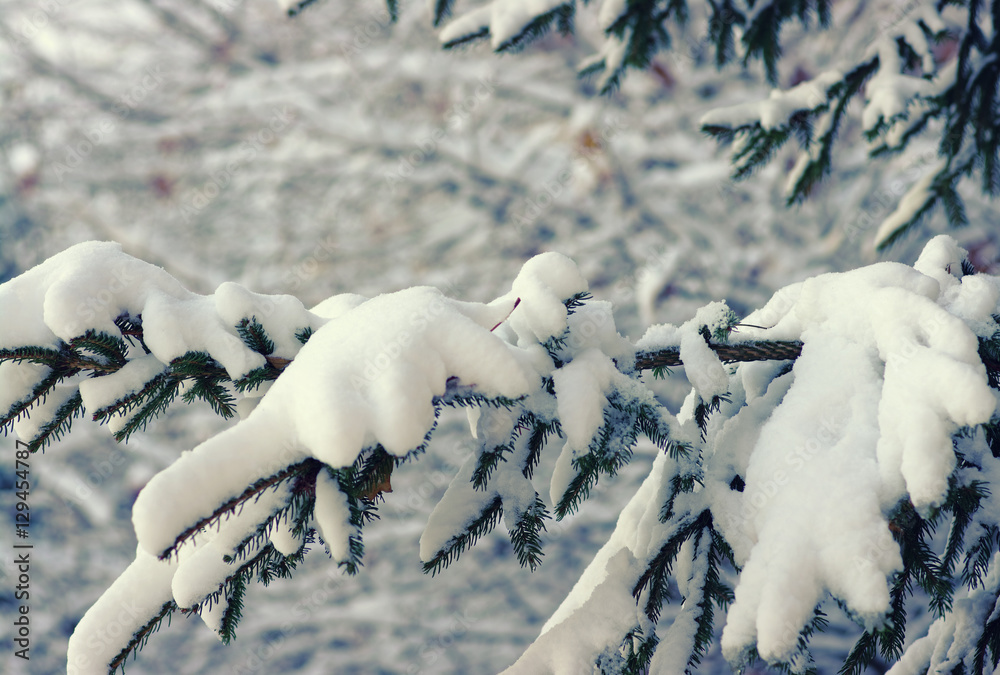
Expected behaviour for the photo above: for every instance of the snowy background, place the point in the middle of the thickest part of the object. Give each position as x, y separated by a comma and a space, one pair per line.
336, 152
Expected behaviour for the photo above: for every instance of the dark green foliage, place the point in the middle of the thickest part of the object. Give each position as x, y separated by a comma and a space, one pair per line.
979, 555
988, 645
609, 451
141, 637
486, 463
525, 536
60, 423
304, 334
148, 403
254, 336
655, 580
214, 393
477, 527
720, 30
265, 566
714, 592
561, 16
256, 377
989, 353
576, 301
638, 651
821, 162
679, 484
109, 347
304, 473
442, 9
704, 410
761, 38
372, 468
528, 429
467, 39
467, 398
62, 364
538, 433
992, 433
920, 565
963, 502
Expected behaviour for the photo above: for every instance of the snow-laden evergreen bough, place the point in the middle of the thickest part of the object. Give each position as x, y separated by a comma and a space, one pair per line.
855, 417
923, 67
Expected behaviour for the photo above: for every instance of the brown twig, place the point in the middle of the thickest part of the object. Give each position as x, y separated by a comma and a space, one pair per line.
742, 352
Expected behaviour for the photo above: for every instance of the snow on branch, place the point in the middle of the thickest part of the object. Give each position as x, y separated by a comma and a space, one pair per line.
904, 89
825, 438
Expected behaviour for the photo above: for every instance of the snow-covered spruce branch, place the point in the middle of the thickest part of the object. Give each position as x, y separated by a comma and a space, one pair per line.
907, 89
819, 471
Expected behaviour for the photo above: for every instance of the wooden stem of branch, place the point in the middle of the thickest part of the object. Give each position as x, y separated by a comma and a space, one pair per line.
742, 352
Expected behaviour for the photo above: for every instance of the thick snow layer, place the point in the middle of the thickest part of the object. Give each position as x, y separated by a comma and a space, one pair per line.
30, 426
333, 517
120, 612
600, 609
18, 380
201, 568
886, 376
701, 365
101, 392
89, 285
951, 641
581, 394
542, 285
811, 540
367, 376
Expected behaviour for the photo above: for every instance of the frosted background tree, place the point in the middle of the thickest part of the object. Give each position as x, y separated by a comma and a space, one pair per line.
620, 183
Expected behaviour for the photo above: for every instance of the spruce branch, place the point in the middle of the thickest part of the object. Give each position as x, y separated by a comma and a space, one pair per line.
38, 393
305, 468
254, 336
655, 578
779, 350
525, 537
141, 637
480, 525
60, 423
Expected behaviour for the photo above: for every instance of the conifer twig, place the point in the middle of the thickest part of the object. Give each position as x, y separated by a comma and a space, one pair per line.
306, 467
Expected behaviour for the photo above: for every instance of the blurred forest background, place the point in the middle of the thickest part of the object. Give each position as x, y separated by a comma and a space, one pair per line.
338, 152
